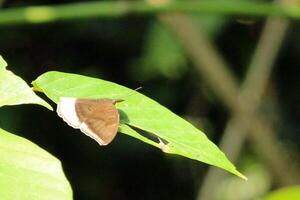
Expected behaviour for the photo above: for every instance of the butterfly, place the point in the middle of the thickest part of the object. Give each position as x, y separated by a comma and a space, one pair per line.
97, 118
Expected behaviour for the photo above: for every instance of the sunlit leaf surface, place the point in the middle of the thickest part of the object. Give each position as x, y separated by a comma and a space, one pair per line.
15, 91
28, 172
179, 136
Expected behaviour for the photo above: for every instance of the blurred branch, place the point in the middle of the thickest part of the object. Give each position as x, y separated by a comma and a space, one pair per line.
206, 59
71, 11
244, 117
245, 120
203, 54
241, 123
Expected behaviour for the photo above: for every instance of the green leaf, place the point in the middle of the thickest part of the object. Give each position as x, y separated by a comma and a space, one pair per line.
28, 172
14, 90
287, 193
140, 112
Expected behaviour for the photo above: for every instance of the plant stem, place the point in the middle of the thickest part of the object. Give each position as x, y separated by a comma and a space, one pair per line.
47, 13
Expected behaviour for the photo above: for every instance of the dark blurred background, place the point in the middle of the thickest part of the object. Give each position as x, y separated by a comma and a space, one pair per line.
146, 51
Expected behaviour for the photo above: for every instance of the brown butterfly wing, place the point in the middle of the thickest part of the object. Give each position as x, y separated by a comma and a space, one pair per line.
100, 119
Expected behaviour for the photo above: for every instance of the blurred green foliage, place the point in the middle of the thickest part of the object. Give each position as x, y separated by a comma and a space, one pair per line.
290, 193
163, 56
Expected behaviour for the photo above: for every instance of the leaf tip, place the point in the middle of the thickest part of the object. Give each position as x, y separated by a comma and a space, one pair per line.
35, 87
46, 105
3, 63
241, 175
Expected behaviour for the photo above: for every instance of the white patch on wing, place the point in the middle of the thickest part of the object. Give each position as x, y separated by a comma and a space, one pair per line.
66, 110
85, 129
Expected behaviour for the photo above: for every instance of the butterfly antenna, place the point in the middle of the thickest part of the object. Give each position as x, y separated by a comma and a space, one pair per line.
138, 88
130, 94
